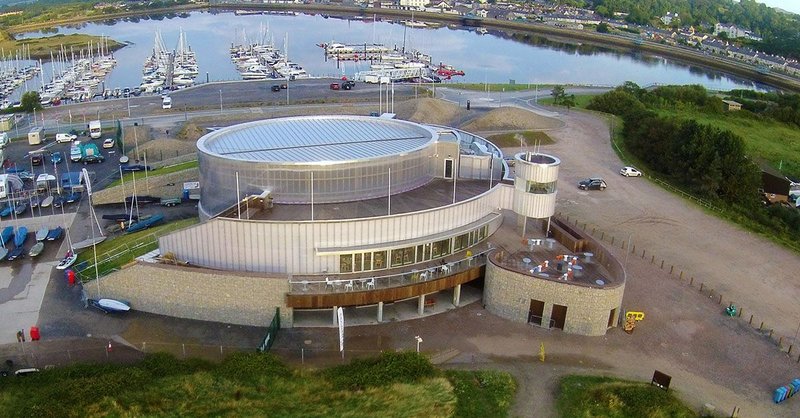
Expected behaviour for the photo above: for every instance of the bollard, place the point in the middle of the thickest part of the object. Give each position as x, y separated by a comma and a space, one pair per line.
302, 355
593, 231
576, 222
751, 320
671, 268
662, 264
584, 227
623, 245
719, 302
602, 235
221, 354
643, 253
691, 281
652, 259
770, 333
183, 347
780, 342
633, 250
740, 312
612, 240
701, 286
790, 349
762, 326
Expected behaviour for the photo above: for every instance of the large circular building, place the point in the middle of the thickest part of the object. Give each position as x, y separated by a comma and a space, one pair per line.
320, 159
387, 218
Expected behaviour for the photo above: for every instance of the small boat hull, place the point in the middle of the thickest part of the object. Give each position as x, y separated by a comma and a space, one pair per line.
87, 243
16, 253
6, 235
47, 202
20, 236
68, 260
114, 305
55, 233
36, 249
41, 234
3, 253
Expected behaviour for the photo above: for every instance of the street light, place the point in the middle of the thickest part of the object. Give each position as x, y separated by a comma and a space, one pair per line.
220, 100
419, 340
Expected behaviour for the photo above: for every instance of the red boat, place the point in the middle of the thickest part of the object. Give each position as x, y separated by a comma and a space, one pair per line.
447, 71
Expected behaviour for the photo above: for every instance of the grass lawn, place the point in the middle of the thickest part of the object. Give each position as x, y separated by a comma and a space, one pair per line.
581, 101
128, 177
40, 48
774, 142
493, 87
118, 251
513, 139
596, 396
252, 384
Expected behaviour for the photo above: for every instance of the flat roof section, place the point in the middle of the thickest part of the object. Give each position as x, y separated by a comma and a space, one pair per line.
316, 139
437, 193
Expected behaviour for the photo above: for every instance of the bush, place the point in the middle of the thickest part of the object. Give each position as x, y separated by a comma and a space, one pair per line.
389, 368
483, 393
253, 366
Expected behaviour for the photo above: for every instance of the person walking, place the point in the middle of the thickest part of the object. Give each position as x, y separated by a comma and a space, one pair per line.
20, 335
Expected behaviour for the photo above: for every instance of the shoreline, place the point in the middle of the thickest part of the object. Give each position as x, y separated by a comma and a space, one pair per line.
683, 55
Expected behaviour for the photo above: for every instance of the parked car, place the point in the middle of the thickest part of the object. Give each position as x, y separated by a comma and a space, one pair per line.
56, 157
61, 138
93, 159
592, 183
73, 197
334, 86
276, 87
36, 159
284, 86
136, 167
108, 143
25, 175
348, 85
630, 172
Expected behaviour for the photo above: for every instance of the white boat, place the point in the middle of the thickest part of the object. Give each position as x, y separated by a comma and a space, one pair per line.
68, 260
114, 305
47, 201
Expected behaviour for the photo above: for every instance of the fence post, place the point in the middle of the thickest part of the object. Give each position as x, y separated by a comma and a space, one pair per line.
671, 268
662, 264
762, 326
751, 319
183, 347
652, 259
740, 312
691, 281
643, 250
701, 286
602, 235
790, 349
221, 354
612, 240
720, 299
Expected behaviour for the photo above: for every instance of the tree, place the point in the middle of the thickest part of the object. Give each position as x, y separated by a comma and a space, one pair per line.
31, 101
603, 27
568, 101
558, 94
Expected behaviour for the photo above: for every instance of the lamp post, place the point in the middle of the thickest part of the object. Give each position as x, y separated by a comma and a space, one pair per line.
419, 340
220, 100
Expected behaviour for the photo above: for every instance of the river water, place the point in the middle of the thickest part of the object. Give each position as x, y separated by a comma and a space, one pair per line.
495, 57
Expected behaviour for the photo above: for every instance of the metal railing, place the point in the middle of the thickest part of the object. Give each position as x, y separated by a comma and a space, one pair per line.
333, 283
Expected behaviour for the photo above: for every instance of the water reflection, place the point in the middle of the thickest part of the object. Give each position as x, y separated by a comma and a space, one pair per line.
494, 57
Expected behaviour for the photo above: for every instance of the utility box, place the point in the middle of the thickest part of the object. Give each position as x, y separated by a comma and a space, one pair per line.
35, 136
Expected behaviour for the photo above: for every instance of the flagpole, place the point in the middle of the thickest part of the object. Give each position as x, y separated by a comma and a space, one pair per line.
312, 195
238, 197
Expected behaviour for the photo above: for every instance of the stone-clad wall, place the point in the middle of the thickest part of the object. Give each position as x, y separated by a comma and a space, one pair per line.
508, 294
202, 294
167, 185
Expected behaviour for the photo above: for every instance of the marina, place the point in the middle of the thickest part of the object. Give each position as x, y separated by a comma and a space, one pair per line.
259, 60
483, 57
165, 69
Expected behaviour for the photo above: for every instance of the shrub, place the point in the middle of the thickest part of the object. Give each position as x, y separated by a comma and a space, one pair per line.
389, 368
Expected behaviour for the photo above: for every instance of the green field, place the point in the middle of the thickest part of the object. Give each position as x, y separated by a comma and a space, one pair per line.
259, 385
140, 175
581, 101
40, 48
513, 139
765, 139
596, 396
120, 250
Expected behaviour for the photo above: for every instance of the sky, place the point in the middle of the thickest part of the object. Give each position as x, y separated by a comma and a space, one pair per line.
789, 5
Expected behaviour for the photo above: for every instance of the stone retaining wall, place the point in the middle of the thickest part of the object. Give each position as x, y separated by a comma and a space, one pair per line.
194, 293
167, 185
508, 294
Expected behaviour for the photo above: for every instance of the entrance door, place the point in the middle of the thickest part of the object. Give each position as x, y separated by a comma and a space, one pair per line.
611, 317
558, 316
536, 312
448, 169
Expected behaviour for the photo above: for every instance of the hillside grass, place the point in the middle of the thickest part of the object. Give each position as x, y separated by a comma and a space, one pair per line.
513, 139
251, 384
140, 175
115, 252
597, 396
765, 139
40, 48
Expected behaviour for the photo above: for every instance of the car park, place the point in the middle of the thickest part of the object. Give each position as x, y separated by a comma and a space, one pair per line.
592, 183
108, 143
630, 172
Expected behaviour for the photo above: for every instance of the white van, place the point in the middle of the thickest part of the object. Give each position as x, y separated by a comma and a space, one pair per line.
166, 103
60, 138
95, 129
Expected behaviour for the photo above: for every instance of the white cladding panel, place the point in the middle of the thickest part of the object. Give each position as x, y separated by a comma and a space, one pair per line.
290, 247
534, 205
536, 172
